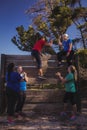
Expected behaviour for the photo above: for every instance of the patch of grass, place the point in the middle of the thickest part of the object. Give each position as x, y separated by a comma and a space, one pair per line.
53, 86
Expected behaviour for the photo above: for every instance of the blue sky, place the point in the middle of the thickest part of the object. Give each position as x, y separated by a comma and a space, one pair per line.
12, 14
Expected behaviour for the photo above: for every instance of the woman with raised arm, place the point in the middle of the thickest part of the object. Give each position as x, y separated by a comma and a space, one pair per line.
67, 50
36, 53
70, 88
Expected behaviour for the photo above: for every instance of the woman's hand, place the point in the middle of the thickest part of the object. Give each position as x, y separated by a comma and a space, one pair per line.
58, 74
60, 37
25, 76
68, 53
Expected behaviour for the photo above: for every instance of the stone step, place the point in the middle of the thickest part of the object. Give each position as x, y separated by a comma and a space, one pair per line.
44, 96
84, 103
49, 71
44, 100
44, 108
44, 91
37, 99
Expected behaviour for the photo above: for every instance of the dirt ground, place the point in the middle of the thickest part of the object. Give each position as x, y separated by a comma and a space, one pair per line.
38, 121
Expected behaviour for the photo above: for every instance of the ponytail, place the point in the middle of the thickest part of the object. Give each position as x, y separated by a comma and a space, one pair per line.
74, 71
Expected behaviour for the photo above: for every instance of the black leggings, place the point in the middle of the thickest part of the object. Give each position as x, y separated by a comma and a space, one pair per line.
21, 101
70, 97
68, 58
12, 98
36, 54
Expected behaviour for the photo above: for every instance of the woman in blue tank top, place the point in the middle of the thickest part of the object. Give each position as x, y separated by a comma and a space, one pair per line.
23, 88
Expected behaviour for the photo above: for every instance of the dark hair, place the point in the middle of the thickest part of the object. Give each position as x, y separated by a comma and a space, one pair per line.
44, 37
10, 69
38, 36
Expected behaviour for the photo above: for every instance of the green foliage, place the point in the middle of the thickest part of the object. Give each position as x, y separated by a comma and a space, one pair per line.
78, 12
25, 38
62, 18
53, 18
53, 86
41, 25
82, 57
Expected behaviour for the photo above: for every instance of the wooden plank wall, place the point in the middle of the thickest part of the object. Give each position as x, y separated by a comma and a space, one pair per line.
30, 67
2, 81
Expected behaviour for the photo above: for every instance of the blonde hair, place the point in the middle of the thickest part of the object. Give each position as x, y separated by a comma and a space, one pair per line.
74, 71
65, 35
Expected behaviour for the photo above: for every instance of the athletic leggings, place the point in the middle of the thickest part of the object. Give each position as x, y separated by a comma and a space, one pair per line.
12, 97
68, 58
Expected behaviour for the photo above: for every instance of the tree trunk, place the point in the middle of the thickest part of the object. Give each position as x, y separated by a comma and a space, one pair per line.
83, 41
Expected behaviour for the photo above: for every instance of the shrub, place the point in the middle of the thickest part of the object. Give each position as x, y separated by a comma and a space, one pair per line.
82, 57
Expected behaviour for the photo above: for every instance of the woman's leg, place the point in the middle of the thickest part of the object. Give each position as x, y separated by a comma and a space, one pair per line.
70, 58
73, 101
11, 101
17, 109
36, 54
59, 56
65, 107
65, 99
74, 109
23, 97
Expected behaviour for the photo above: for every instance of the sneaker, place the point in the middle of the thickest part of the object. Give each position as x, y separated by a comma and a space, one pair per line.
42, 77
73, 118
10, 122
16, 115
22, 113
63, 114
